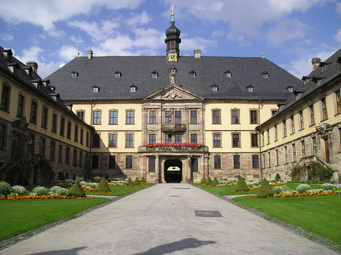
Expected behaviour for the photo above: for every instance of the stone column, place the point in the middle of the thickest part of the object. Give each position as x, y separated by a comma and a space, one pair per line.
144, 125
162, 172
189, 170
185, 122
157, 168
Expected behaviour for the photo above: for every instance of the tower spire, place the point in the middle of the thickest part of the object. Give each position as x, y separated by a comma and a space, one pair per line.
172, 14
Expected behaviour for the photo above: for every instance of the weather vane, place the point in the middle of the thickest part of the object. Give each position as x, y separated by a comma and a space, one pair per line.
172, 9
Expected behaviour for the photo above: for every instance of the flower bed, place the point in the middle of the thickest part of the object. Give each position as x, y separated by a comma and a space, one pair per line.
17, 197
311, 193
174, 145
257, 187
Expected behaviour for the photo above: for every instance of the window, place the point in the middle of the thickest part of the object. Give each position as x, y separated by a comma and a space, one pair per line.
44, 116
216, 140
68, 131
52, 150
236, 161
168, 117
130, 117
62, 126
129, 141
253, 117
3, 136
192, 74
30, 145
338, 101
76, 133
194, 117
216, 116
284, 124
118, 74
82, 135
152, 138
324, 109
151, 164
112, 140
217, 163
194, 138
269, 162
152, 117
20, 109
112, 162
33, 112
67, 155
94, 161
235, 116
95, 141
194, 162
80, 159
168, 138
214, 88
133, 88
250, 88
303, 148
95, 89
155, 75
54, 123
97, 118
178, 138
80, 114
87, 139
60, 153
5, 97
293, 152
275, 133
263, 139
74, 74
273, 112
236, 140
129, 161
254, 140
74, 161
276, 158
312, 117
265, 74
301, 119
290, 89
314, 145
42, 146
292, 124
228, 74
267, 136
285, 154
177, 117
255, 161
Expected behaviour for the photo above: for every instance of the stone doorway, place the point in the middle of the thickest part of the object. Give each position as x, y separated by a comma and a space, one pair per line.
173, 171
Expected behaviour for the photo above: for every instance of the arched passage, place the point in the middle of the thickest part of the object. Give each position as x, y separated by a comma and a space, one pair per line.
173, 170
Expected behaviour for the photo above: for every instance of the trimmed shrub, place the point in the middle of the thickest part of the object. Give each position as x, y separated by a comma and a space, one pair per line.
241, 185
327, 186
215, 182
203, 180
278, 177
20, 190
76, 190
136, 181
303, 188
264, 190
130, 182
143, 180
57, 190
41, 191
97, 179
80, 179
279, 189
103, 186
5, 188
209, 181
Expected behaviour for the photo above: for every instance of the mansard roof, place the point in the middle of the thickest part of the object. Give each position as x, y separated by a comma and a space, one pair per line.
136, 70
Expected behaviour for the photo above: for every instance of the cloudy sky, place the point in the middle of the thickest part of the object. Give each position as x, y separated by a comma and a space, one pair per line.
289, 32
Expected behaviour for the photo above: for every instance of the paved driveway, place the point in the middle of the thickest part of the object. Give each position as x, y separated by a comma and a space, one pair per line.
168, 219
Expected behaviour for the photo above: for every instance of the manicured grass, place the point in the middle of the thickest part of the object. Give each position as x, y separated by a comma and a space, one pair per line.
120, 190
320, 215
19, 216
223, 191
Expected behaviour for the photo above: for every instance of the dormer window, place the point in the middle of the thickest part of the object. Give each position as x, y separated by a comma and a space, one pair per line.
265, 74
290, 89
250, 88
305, 79
324, 66
173, 69
74, 74
192, 74
214, 88
118, 74
317, 81
52, 88
155, 75
228, 74
133, 88
13, 67
95, 89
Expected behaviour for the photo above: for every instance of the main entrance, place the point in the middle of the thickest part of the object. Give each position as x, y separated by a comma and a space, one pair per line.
173, 171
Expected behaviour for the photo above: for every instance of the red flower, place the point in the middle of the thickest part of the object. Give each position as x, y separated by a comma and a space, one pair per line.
300, 174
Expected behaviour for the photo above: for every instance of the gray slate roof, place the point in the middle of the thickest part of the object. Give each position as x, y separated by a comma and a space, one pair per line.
136, 70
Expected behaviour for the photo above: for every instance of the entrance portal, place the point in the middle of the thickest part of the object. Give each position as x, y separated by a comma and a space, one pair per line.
173, 171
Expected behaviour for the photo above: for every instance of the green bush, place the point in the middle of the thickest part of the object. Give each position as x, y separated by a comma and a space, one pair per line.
143, 180
303, 188
136, 181
76, 190
327, 186
57, 190
97, 179
209, 181
215, 182
5, 188
264, 190
241, 185
278, 177
315, 171
130, 182
103, 186
203, 180
41, 191
20, 190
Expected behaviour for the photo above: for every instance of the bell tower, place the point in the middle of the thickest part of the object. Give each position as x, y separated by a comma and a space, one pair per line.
173, 40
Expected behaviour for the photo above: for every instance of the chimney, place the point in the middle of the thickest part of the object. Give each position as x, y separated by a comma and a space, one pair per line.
90, 53
34, 66
316, 63
197, 53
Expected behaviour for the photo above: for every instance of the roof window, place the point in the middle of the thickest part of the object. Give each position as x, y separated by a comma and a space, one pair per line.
214, 88
228, 74
192, 74
324, 66
95, 89
74, 74
173, 69
155, 75
133, 88
250, 88
265, 74
290, 89
118, 74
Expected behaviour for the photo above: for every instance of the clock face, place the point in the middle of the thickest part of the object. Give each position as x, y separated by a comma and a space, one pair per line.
172, 57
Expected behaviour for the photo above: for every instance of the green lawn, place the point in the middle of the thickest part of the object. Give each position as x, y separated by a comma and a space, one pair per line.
120, 191
320, 215
19, 216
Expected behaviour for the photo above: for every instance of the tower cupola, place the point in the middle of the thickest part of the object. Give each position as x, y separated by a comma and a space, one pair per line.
173, 40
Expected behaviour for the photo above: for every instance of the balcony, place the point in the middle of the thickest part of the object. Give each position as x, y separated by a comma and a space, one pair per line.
167, 148
173, 127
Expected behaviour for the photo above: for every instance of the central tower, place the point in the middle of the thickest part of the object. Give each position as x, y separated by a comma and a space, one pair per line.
173, 40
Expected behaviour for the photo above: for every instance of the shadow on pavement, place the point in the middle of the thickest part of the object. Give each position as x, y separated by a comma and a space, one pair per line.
60, 252
176, 246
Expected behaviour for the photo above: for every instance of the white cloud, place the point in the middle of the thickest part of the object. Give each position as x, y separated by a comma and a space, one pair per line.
338, 7
45, 69
30, 54
217, 33
76, 40
68, 53
46, 13
197, 43
6, 37
97, 31
119, 46
142, 19
286, 30
239, 38
338, 36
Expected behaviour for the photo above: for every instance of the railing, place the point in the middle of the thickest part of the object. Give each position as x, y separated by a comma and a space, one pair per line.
173, 149
173, 127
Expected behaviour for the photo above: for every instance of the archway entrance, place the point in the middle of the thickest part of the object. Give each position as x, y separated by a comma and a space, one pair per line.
173, 171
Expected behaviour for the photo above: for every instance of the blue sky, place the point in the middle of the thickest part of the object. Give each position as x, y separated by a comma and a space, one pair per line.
289, 32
